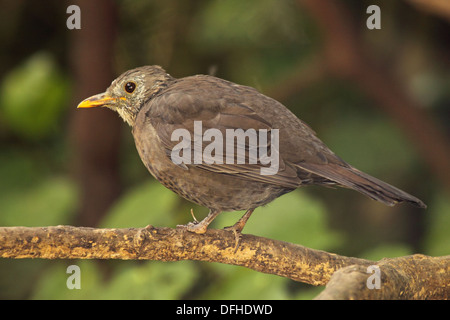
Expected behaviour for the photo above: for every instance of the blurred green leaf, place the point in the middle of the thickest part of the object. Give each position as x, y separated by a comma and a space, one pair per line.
391, 250
238, 283
49, 202
18, 276
152, 280
437, 241
53, 282
18, 171
128, 280
365, 141
148, 203
32, 97
227, 24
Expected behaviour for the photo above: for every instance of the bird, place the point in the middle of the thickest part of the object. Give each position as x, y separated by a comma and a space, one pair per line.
161, 109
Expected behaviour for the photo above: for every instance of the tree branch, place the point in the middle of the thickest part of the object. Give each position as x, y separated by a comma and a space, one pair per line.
412, 277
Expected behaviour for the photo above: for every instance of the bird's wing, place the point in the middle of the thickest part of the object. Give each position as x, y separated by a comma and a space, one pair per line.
184, 110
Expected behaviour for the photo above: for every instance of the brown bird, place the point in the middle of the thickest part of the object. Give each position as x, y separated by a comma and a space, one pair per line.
162, 110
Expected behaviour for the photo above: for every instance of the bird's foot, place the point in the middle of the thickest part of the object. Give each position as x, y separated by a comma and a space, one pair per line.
238, 227
237, 231
200, 227
192, 226
195, 227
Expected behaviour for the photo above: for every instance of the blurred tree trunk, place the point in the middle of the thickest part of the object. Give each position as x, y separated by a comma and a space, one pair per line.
94, 133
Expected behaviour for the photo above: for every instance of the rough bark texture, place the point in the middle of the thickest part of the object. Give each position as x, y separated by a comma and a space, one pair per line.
411, 277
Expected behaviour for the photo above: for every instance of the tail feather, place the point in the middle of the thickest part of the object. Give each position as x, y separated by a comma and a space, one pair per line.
350, 177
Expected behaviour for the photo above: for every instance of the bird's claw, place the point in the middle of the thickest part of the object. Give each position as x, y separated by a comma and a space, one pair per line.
237, 236
194, 227
193, 217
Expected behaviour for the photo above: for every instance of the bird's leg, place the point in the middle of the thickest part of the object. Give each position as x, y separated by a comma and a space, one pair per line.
200, 227
239, 226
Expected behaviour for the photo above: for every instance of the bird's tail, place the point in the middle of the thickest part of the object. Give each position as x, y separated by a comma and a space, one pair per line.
350, 177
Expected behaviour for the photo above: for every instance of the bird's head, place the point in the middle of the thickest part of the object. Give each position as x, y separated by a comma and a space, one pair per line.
130, 91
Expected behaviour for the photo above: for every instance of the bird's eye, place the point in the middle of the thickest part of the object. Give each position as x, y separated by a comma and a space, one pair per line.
130, 86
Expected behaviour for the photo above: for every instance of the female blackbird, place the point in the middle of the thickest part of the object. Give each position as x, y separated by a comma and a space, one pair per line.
162, 109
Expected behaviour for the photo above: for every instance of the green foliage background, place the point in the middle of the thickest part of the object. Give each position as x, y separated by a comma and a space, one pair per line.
250, 42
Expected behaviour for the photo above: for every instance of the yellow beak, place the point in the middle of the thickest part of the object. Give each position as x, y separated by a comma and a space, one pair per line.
99, 100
